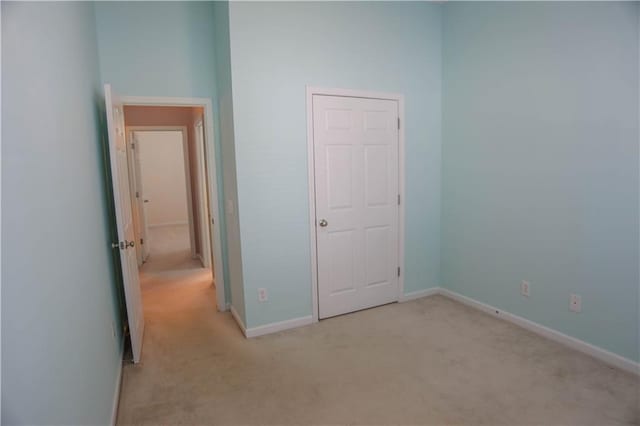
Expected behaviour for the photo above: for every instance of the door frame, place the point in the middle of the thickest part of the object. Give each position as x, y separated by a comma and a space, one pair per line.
203, 207
187, 170
211, 176
399, 98
137, 204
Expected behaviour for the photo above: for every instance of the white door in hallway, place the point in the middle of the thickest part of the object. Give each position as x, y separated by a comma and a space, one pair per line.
356, 178
124, 218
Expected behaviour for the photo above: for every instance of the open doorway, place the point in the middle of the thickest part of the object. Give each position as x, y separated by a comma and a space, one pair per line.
169, 185
166, 202
162, 152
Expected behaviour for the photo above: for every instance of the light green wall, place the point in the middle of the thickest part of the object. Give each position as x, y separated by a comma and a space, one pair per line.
59, 359
540, 163
276, 50
157, 48
163, 49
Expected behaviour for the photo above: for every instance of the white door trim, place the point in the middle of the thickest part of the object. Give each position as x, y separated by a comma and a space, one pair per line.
311, 90
139, 219
212, 176
187, 173
203, 208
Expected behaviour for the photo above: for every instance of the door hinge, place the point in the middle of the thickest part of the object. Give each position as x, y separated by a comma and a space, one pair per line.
398, 199
133, 145
398, 271
137, 194
398, 123
141, 241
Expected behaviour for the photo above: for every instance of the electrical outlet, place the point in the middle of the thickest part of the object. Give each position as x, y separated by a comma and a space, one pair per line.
524, 288
262, 295
575, 303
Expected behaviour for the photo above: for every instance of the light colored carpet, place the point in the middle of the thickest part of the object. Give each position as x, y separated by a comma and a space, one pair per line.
169, 251
429, 361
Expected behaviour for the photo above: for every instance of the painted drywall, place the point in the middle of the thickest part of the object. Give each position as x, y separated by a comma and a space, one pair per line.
540, 163
157, 48
227, 140
59, 359
162, 49
276, 50
164, 183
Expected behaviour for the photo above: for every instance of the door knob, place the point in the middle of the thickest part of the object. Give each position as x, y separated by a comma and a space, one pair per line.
323, 223
146, 201
129, 243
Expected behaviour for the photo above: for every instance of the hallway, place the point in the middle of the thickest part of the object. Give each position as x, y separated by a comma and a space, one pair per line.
169, 251
179, 310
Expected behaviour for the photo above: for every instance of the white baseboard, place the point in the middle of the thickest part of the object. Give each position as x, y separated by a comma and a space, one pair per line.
420, 293
604, 355
116, 395
236, 317
274, 327
158, 225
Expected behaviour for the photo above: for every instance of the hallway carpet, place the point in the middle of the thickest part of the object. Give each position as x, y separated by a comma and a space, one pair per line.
429, 361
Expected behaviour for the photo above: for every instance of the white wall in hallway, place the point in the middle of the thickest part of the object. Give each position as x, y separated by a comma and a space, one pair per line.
163, 177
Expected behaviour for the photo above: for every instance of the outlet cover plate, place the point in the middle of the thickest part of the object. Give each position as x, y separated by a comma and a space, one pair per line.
262, 295
575, 303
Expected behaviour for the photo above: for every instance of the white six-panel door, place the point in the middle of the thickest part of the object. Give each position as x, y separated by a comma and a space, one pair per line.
356, 179
124, 219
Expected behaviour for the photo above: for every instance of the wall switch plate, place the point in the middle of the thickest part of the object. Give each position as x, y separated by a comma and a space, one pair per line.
575, 303
262, 295
524, 288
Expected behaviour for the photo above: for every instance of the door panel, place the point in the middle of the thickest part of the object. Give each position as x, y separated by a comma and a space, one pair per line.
141, 199
376, 177
136, 193
124, 219
376, 266
339, 181
356, 175
341, 276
